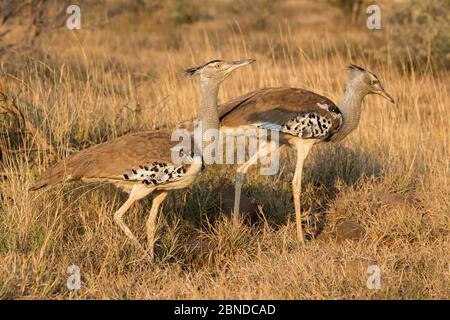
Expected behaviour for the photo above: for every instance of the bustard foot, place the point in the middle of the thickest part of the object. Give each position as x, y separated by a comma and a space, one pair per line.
151, 251
240, 178
147, 255
300, 237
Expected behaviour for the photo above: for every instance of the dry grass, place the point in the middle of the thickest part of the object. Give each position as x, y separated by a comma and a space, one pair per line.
390, 176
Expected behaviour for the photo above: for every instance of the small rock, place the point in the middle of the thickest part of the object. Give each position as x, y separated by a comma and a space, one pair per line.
396, 199
248, 207
357, 266
349, 230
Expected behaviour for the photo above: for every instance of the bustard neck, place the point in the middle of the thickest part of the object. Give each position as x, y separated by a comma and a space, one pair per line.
209, 115
209, 119
350, 106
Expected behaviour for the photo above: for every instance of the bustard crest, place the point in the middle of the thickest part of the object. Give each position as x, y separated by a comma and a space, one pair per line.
355, 67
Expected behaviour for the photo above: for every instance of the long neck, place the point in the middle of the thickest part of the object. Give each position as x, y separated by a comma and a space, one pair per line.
209, 118
209, 115
350, 107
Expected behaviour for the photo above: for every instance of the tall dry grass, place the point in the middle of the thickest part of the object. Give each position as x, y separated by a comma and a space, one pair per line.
390, 176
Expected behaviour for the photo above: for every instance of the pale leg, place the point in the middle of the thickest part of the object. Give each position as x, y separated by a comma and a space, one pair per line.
151, 221
135, 194
302, 151
240, 176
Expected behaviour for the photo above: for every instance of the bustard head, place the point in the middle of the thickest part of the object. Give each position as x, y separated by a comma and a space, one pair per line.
217, 69
367, 82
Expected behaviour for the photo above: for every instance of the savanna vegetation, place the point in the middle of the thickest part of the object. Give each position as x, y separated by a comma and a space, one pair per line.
381, 196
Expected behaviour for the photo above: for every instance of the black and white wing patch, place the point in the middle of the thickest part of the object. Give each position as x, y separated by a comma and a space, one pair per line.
308, 125
318, 124
155, 173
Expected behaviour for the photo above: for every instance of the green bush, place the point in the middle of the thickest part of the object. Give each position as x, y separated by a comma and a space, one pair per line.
184, 11
257, 12
351, 9
421, 30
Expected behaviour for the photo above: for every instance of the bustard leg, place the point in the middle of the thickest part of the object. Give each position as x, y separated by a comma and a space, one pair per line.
302, 151
240, 179
137, 192
151, 221
242, 171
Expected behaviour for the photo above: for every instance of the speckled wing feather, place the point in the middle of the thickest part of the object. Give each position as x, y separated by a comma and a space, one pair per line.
155, 173
114, 159
292, 111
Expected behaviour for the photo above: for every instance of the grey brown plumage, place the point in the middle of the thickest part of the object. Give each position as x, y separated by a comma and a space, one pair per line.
143, 162
111, 160
303, 118
282, 108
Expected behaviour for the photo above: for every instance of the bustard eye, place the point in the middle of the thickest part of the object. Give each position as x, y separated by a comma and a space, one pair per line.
218, 66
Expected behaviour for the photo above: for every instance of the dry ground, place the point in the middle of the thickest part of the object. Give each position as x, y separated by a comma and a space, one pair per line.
390, 176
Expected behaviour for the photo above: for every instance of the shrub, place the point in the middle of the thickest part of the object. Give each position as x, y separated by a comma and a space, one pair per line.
351, 9
257, 11
184, 11
421, 30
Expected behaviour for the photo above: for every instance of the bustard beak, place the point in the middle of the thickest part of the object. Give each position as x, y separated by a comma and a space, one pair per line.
241, 63
384, 94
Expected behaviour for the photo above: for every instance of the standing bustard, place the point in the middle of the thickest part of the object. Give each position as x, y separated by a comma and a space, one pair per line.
302, 118
141, 163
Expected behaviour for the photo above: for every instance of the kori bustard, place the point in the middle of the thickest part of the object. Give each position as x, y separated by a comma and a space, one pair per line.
302, 118
141, 163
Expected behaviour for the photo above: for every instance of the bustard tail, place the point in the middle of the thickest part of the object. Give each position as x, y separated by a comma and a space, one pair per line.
69, 169
54, 175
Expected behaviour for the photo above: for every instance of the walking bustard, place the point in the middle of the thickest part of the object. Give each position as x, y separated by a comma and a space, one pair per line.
302, 118
141, 163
